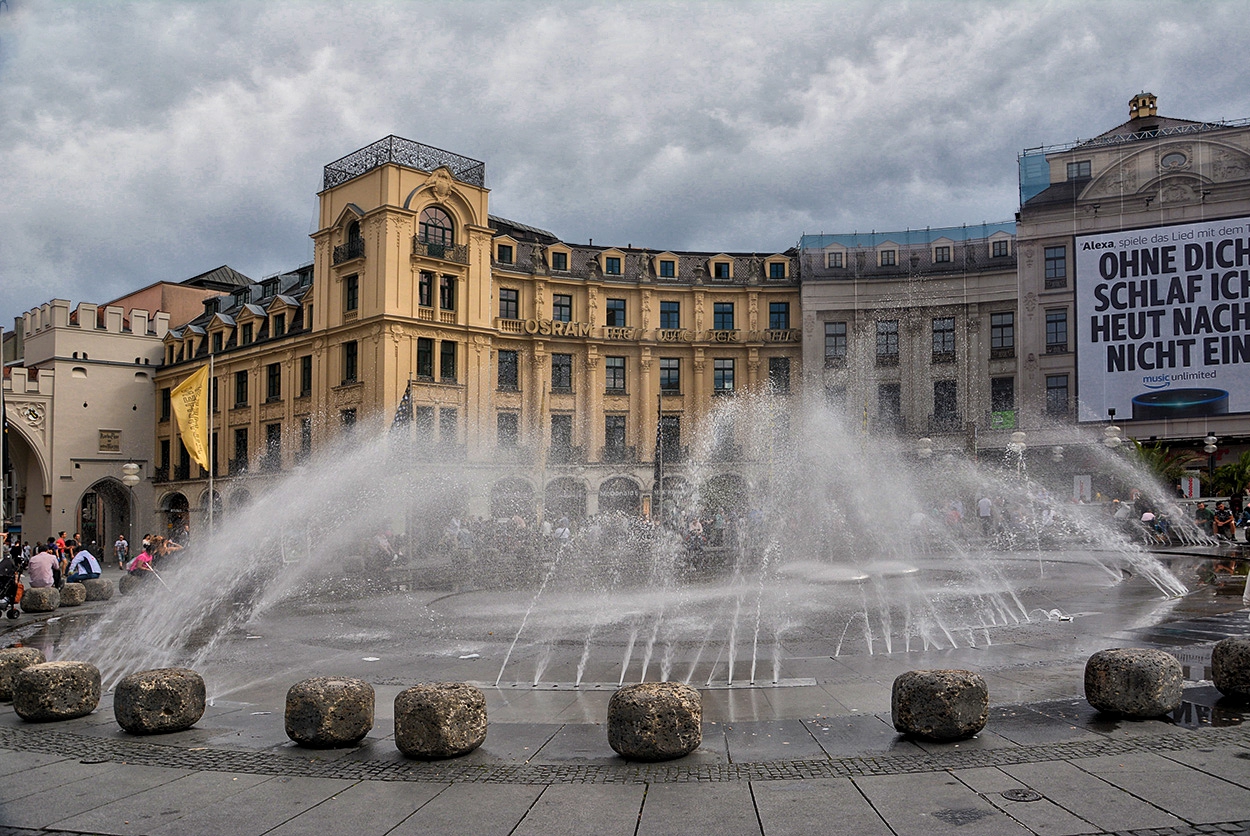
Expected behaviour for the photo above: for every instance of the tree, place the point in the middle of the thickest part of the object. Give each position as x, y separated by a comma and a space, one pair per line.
1229, 479
1167, 465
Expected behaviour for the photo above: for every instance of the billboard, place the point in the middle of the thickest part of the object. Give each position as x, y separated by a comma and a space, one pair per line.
1163, 321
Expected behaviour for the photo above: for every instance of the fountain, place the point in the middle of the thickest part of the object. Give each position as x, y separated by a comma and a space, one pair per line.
849, 546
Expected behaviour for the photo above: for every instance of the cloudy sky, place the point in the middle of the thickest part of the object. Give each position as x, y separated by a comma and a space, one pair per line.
154, 141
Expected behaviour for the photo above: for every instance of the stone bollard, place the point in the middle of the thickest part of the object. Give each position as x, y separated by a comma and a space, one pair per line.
130, 584
1135, 683
99, 589
56, 691
41, 599
12, 660
326, 712
940, 705
439, 720
655, 721
1230, 667
73, 595
159, 701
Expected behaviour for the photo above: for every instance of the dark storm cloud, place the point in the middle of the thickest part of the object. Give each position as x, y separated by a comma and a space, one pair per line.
157, 140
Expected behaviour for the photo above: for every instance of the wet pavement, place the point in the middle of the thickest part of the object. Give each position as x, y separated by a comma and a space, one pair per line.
817, 756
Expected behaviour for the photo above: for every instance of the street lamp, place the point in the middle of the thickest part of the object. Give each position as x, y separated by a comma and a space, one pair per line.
1209, 446
1056, 454
130, 478
1017, 444
924, 447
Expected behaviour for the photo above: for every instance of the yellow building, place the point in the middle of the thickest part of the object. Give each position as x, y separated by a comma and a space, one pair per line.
545, 367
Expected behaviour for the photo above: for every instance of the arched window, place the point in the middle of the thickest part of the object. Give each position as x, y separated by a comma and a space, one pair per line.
435, 227
353, 232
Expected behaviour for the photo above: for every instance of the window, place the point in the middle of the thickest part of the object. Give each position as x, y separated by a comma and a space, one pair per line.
212, 462
835, 343
167, 404
272, 460
670, 437
349, 362
1057, 331
612, 265
777, 270
944, 339
165, 462
562, 307
240, 388
351, 300
890, 406
616, 312
347, 418
435, 227
509, 303
1001, 249
561, 436
214, 404
506, 429
508, 371
560, 261
305, 438
941, 255
887, 342
1057, 394
945, 405
1056, 267
425, 358
305, 375
614, 374
1002, 335
447, 293
561, 372
670, 375
425, 290
723, 316
722, 375
670, 315
613, 437
279, 325
169, 354
504, 252
833, 260
246, 339
423, 418
888, 258
668, 268
217, 342
448, 425
273, 382
239, 463
1002, 394
778, 316
447, 361
720, 269
1078, 170
779, 375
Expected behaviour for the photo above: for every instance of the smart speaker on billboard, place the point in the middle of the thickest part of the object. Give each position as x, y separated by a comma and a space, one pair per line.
1163, 321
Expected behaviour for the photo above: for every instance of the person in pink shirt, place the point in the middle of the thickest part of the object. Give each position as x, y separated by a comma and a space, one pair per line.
141, 563
45, 568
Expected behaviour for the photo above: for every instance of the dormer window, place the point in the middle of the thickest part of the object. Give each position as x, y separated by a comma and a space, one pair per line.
720, 269
834, 260
888, 258
279, 325
612, 265
504, 254
246, 338
1079, 170
668, 268
217, 342
560, 261
941, 255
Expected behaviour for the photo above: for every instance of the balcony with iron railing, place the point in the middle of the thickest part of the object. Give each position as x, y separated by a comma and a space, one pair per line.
456, 253
355, 248
399, 151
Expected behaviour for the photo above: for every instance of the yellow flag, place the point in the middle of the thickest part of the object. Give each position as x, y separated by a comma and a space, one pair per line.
190, 404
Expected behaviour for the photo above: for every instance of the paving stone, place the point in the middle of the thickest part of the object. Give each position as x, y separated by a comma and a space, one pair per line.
40, 807
861, 734
604, 810
934, 803
257, 809
799, 808
684, 809
760, 740
371, 807
1181, 790
465, 808
1103, 805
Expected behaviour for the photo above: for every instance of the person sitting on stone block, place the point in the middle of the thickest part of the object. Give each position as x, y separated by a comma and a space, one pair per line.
84, 565
45, 568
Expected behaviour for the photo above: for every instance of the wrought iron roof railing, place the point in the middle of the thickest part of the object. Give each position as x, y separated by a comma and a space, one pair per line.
396, 149
1134, 136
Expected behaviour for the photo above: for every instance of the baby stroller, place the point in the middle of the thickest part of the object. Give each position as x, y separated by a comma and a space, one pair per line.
10, 588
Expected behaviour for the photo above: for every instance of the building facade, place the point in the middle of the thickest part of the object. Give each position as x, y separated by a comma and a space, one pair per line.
556, 373
913, 332
1133, 281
